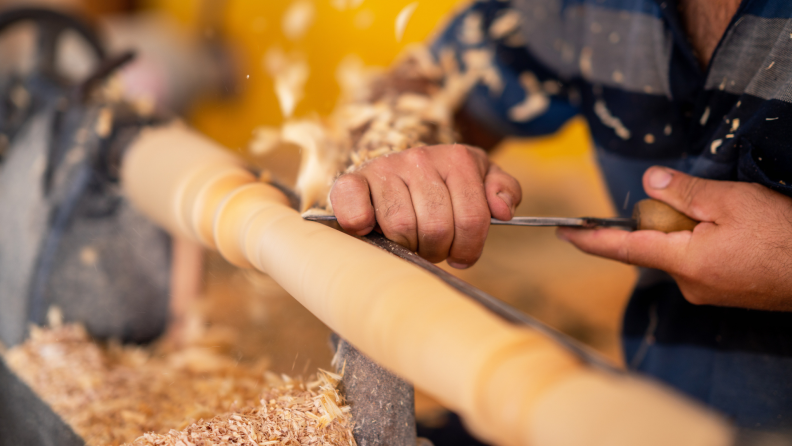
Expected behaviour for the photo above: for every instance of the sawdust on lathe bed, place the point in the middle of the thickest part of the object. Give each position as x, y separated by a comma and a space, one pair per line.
112, 394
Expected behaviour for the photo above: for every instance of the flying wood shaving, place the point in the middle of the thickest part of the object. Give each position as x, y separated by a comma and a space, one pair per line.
265, 139
112, 394
403, 18
319, 164
355, 78
290, 73
298, 18
381, 113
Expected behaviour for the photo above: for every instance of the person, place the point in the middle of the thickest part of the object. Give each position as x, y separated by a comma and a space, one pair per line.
687, 102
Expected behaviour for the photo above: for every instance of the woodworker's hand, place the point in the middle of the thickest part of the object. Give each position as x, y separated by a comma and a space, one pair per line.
435, 200
740, 255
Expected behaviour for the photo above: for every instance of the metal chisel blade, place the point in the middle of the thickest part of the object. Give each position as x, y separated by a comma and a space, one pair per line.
582, 222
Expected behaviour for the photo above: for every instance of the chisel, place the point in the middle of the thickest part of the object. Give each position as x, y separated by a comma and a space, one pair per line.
647, 214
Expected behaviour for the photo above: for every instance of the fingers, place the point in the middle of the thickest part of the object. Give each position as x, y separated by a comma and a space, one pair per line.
351, 200
432, 204
503, 193
393, 206
697, 198
650, 249
471, 212
434, 200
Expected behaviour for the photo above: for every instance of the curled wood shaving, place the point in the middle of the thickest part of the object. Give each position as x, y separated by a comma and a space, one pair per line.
265, 140
403, 18
290, 72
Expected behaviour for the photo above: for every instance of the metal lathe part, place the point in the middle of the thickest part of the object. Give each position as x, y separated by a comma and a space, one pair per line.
383, 405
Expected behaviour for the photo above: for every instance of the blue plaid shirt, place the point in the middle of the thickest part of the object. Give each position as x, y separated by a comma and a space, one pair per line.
628, 68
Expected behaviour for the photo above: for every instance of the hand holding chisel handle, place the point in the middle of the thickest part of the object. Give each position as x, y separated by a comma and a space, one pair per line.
656, 215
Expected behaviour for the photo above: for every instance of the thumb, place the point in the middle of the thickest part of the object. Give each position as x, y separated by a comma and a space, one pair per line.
650, 249
695, 197
503, 193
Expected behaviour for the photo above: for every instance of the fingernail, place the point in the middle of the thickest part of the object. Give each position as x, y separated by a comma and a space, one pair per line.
660, 178
508, 200
562, 235
458, 265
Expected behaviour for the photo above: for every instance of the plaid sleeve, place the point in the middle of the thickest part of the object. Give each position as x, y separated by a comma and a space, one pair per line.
517, 95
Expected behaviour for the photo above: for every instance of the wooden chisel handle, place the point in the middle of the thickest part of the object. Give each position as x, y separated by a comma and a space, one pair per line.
656, 215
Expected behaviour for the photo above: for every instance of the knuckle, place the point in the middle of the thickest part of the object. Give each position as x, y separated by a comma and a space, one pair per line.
376, 165
698, 272
460, 151
476, 152
688, 270
476, 224
416, 155
435, 232
344, 181
400, 225
690, 191
625, 254
343, 188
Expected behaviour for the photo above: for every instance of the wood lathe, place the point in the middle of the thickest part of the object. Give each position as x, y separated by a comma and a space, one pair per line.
513, 385
514, 380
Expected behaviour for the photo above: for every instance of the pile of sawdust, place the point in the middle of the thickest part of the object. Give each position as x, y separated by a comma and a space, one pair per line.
112, 394
291, 414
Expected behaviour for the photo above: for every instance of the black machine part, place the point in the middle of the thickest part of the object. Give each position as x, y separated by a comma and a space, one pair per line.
70, 238
27, 420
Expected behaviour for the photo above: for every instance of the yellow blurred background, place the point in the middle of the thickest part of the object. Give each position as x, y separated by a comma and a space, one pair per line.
338, 28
